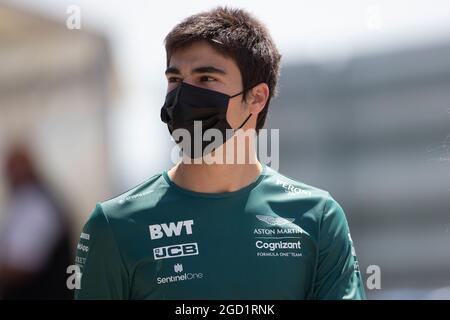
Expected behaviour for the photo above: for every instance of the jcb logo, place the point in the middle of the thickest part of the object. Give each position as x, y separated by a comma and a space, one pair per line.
157, 231
175, 251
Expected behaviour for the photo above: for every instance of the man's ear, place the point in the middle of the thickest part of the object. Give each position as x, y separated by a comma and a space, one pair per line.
257, 98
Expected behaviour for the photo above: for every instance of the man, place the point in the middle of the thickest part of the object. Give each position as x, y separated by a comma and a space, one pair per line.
219, 229
35, 246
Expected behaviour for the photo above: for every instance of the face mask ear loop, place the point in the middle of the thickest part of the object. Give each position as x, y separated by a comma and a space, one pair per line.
244, 90
237, 94
244, 122
248, 115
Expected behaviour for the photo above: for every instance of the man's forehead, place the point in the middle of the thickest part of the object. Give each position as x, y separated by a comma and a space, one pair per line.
196, 61
199, 54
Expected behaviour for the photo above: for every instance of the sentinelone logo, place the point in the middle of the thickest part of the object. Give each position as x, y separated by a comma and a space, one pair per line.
179, 277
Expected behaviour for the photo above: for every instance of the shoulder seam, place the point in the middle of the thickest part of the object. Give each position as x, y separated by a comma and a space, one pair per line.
297, 181
115, 242
134, 187
318, 243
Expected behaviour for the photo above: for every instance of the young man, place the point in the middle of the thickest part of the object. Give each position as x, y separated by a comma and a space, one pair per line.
233, 230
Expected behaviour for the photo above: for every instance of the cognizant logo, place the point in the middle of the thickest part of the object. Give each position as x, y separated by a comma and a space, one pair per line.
272, 246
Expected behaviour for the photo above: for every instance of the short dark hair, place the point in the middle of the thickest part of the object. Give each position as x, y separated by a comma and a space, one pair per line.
237, 34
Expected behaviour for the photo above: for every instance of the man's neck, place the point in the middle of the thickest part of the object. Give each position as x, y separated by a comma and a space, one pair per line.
214, 178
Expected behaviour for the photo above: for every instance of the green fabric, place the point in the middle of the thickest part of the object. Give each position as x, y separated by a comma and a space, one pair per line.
274, 239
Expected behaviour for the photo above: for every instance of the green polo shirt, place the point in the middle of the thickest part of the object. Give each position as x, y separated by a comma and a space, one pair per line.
276, 238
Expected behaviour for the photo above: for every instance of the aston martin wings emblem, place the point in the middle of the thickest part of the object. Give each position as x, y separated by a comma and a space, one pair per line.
275, 221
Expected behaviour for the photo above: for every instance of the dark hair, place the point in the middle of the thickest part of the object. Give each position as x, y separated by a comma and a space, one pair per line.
236, 34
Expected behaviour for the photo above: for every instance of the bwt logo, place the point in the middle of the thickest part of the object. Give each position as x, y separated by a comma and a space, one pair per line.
175, 251
157, 231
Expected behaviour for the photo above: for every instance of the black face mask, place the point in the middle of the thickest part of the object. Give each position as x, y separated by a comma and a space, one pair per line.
187, 103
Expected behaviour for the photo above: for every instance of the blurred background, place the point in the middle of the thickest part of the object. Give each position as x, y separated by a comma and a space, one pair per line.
363, 112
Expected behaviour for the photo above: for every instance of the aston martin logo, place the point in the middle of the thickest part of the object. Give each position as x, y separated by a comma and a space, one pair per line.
275, 221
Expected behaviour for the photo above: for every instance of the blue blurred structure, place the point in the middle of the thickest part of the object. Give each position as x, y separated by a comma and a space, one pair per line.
372, 131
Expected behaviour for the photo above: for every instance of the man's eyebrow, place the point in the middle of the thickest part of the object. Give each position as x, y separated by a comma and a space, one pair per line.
208, 69
204, 69
172, 70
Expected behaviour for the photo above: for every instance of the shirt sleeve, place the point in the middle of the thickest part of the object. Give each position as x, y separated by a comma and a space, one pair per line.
103, 272
337, 273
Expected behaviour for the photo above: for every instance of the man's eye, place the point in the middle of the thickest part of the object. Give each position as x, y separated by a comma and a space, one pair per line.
173, 79
206, 79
